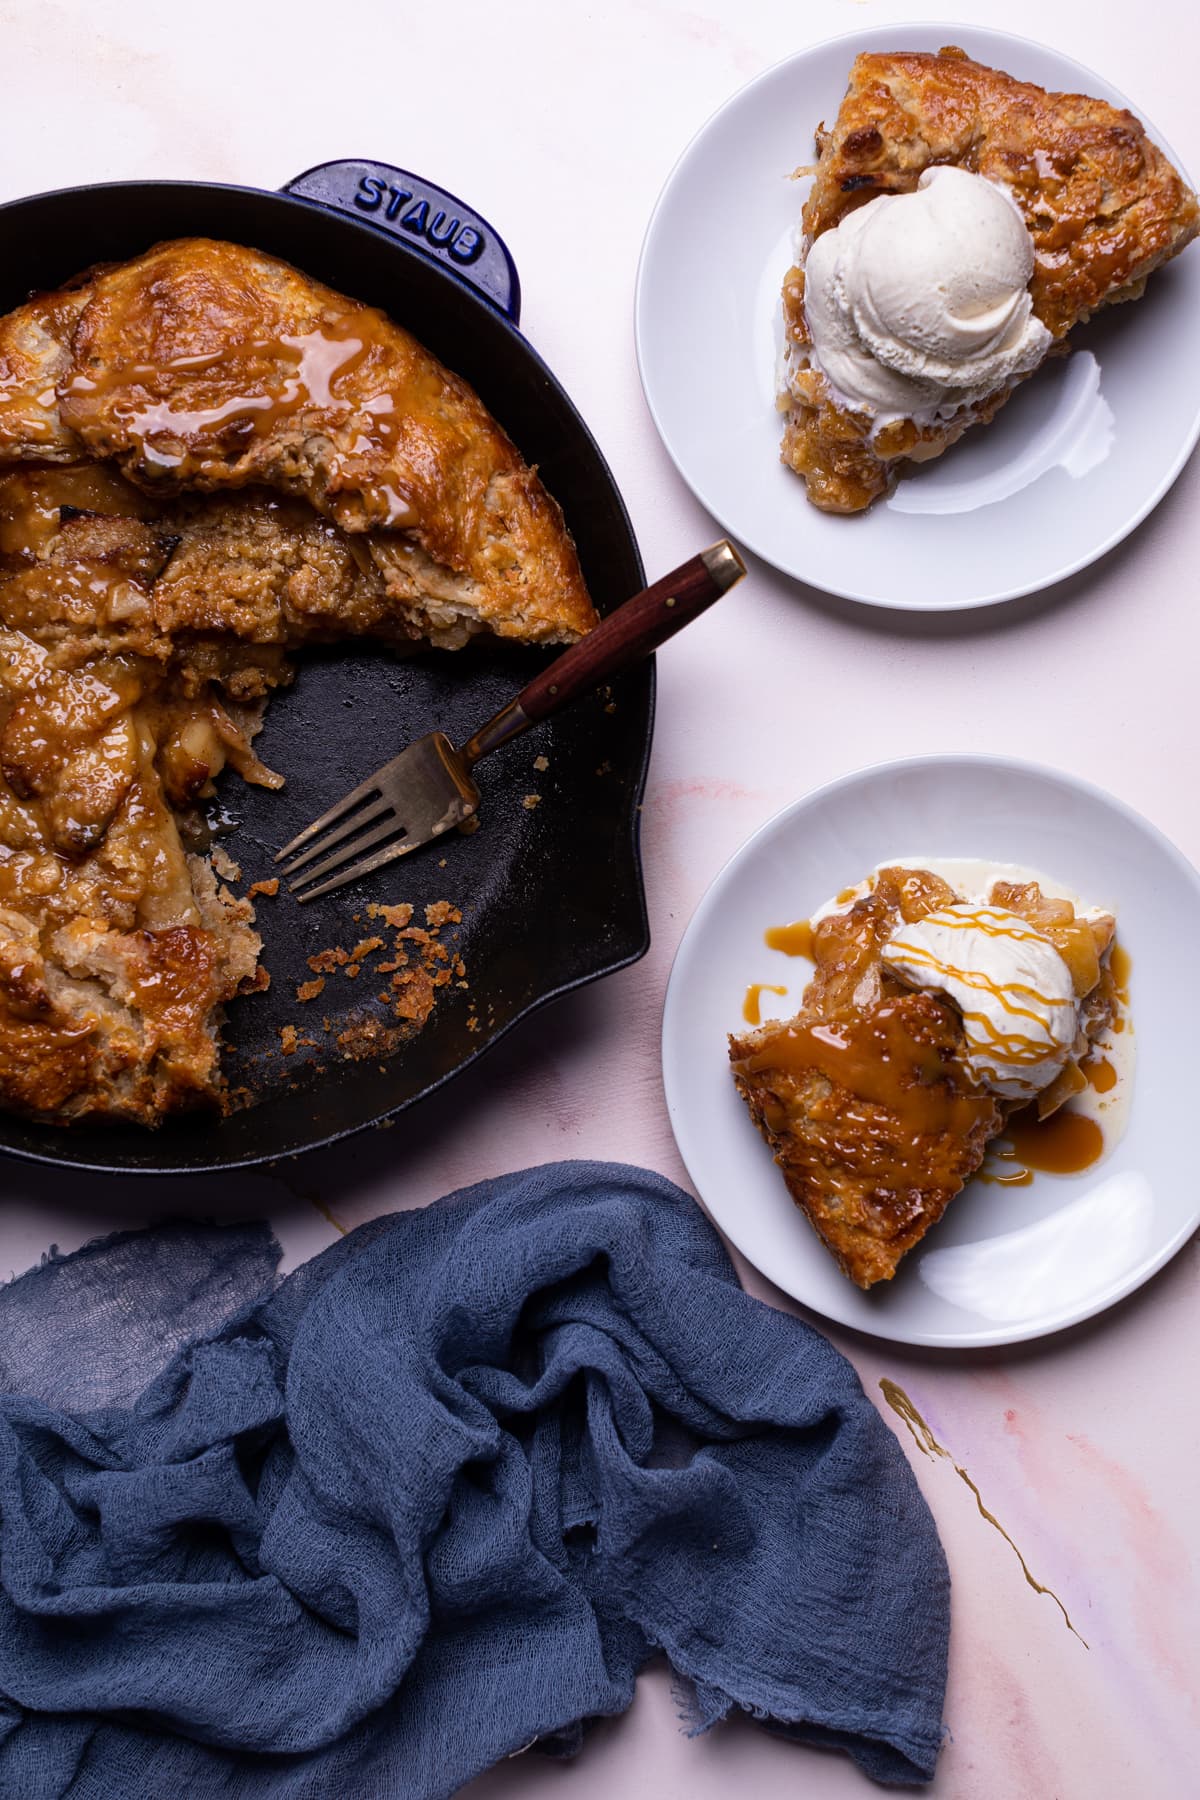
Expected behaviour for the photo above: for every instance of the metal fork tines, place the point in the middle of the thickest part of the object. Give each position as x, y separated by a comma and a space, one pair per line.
420, 793
428, 789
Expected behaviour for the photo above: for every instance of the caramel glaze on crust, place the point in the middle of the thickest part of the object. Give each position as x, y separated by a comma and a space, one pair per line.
205, 365
206, 462
864, 1096
1102, 203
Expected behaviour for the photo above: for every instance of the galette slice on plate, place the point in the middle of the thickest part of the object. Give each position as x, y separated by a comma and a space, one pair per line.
959, 225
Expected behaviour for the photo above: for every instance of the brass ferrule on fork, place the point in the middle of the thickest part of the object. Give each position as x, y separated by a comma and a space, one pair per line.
508, 723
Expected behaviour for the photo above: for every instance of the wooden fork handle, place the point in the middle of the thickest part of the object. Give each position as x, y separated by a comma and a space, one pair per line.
625, 636
634, 630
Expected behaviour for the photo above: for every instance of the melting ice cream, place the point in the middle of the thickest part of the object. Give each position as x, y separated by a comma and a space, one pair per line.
919, 303
1008, 981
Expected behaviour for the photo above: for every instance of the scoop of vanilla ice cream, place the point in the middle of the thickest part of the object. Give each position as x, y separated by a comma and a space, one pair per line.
1008, 981
919, 303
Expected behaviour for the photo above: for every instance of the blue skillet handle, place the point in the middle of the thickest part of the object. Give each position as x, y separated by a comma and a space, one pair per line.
421, 215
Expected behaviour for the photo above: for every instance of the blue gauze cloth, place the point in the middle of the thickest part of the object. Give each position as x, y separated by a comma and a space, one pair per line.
441, 1492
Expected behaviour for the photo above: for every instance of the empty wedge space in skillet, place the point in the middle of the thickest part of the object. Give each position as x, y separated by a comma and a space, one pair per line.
210, 461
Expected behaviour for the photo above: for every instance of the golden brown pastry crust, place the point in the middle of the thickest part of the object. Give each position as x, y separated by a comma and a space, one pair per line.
206, 461
1102, 203
865, 1097
35, 354
205, 365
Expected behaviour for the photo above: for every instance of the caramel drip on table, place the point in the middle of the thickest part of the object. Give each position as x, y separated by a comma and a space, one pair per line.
751, 1011
928, 1445
875, 1057
794, 940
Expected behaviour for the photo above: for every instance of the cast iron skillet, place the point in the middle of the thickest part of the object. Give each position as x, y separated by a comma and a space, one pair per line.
551, 893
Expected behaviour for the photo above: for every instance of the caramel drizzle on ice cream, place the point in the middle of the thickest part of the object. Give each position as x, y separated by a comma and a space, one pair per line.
1015, 1046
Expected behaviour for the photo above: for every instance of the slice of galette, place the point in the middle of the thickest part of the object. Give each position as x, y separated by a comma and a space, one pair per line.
929, 1021
960, 223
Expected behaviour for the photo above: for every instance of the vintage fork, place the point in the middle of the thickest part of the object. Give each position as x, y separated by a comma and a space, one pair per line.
427, 789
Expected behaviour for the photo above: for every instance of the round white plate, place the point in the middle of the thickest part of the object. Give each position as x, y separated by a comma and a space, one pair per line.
1069, 466
1003, 1264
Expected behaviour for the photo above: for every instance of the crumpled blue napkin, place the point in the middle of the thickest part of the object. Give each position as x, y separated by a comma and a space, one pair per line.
440, 1493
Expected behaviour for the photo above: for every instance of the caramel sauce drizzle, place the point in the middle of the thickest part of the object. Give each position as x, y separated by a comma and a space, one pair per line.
876, 1058
283, 376
928, 1445
795, 939
1014, 1046
1120, 966
751, 1011
991, 920
1064, 1144
319, 358
1067, 1142
1100, 1074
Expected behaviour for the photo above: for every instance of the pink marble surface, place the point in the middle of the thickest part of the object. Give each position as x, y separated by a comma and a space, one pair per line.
560, 123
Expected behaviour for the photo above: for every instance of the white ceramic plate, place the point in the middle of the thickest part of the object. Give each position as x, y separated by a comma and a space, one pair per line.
1003, 1264
1070, 465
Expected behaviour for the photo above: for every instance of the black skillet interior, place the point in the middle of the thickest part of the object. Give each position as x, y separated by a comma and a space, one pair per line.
550, 892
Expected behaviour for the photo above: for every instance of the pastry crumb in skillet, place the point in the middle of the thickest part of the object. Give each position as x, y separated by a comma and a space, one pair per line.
417, 967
